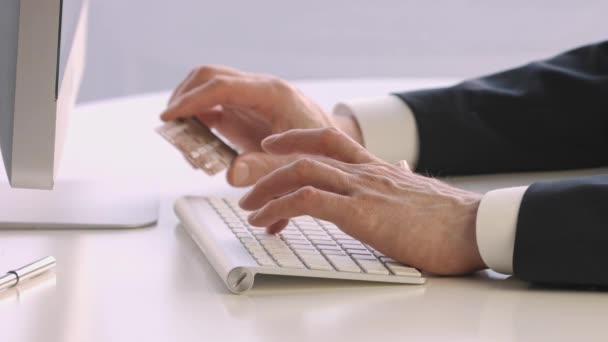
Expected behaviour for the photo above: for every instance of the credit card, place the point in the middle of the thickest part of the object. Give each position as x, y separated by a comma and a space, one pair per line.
199, 145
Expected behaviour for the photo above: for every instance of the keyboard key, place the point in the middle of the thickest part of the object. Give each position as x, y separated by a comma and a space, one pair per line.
317, 235
402, 270
272, 242
243, 235
385, 259
304, 248
330, 252
300, 244
292, 236
264, 235
373, 267
329, 248
290, 262
377, 254
307, 243
364, 257
316, 262
322, 240
279, 250
305, 219
307, 252
266, 262
358, 251
343, 263
255, 247
353, 245
323, 243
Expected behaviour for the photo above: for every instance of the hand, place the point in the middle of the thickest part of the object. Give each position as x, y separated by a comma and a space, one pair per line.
246, 108
417, 220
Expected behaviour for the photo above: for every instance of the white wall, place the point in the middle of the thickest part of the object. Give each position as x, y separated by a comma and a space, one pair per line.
146, 45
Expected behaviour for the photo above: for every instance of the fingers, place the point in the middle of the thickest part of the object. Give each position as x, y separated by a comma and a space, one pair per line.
199, 76
308, 200
203, 98
301, 173
248, 168
210, 118
276, 227
256, 93
329, 142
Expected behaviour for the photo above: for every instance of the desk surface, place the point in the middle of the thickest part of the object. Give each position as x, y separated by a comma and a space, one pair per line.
155, 285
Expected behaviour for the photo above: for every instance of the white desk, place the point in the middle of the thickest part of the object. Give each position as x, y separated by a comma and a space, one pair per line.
155, 285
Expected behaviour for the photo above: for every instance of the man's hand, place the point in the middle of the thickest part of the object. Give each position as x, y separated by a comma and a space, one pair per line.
246, 108
417, 220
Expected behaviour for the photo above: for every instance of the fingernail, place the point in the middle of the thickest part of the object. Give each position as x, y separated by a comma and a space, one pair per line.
270, 139
165, 115
244, 199
252, 216
241, 173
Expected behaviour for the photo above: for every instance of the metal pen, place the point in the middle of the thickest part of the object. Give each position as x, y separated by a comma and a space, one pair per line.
13, 278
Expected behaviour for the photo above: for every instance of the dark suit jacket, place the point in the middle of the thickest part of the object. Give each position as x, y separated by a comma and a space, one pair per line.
547, 115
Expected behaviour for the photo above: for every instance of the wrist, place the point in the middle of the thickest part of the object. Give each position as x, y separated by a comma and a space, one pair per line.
473, 207
348, 124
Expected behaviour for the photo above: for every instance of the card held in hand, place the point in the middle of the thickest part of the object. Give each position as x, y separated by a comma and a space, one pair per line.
201, 148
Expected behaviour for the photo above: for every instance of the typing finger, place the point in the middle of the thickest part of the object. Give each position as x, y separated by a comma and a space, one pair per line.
276, 227
249, 167
303, 172
329, 142
325, 205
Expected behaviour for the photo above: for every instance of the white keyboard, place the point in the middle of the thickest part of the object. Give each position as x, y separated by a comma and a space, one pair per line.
306, 247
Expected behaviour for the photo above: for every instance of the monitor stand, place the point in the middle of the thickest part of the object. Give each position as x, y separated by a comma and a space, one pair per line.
76, 204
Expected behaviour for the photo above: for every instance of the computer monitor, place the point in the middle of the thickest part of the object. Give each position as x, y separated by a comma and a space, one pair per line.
41, 61
42, 57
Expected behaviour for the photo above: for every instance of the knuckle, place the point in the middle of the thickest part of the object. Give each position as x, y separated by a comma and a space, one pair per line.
330, 135
307, 194
333, 132
279, 85
205, 73
386, 182
304, 166
203, 70
219, 81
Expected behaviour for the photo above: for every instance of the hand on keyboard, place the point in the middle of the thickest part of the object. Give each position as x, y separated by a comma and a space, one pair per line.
310, 244
416, 220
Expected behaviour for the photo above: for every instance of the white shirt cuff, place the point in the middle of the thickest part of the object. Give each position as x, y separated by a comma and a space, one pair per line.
388, 126
496, 226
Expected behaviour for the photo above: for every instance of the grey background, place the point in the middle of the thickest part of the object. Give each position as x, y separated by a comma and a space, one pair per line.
147, 45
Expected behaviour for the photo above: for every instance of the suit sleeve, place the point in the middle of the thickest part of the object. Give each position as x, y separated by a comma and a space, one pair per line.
546, 115
562, 232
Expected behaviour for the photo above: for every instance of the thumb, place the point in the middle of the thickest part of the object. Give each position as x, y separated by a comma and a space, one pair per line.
247, 168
